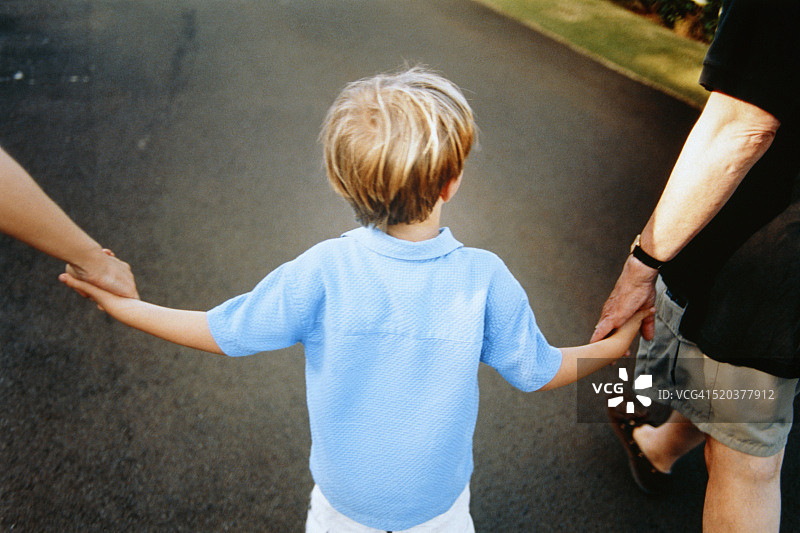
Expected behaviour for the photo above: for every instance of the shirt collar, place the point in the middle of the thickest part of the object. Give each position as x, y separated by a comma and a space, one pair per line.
384, 244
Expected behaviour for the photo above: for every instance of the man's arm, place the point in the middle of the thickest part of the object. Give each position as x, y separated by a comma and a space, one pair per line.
187, 328
727, 140
28, 214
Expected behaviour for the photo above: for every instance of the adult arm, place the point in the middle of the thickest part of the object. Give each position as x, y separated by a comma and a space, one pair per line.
727, 140
28, 214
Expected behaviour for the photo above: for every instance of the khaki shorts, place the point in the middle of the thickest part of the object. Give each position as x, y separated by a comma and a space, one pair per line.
743, 408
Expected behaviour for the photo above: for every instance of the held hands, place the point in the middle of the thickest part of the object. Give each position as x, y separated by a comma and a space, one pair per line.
634, 291
106, 301
102, 269
627, 331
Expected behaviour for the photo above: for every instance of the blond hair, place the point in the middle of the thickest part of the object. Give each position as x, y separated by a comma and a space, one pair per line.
393, 141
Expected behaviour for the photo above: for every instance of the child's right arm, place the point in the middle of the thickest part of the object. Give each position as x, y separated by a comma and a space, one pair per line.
597, 355
187, 328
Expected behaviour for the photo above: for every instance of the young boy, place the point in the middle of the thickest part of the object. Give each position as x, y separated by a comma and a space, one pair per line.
395, 317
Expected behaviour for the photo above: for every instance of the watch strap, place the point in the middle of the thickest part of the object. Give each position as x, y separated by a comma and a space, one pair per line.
646, 258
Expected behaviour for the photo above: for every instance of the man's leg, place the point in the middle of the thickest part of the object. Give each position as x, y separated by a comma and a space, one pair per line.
743, 492
665, 444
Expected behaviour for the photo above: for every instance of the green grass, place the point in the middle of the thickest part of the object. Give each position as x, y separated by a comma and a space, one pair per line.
620, 39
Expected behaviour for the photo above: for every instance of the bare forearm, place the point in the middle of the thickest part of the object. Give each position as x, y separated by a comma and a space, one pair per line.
187, 328
726, 142
728, 139
579, 361
28, 214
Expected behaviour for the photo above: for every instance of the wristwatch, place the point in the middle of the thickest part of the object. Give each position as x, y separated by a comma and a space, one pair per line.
644, 257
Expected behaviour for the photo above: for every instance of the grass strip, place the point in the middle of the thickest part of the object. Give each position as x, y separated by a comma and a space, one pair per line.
623, 41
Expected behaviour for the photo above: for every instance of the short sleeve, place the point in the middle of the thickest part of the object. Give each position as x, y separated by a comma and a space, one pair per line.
755, 55
513, 344
274, 315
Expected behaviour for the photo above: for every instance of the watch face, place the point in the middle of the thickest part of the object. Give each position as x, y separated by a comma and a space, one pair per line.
636, 242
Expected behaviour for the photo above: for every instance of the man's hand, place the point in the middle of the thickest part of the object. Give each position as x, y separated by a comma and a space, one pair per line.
635, 291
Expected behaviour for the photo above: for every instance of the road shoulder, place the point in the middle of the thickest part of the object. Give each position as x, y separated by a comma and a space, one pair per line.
620, 40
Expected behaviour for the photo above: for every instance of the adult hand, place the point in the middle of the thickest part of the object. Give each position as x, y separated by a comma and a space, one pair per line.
634, 291
103, 269
28, 214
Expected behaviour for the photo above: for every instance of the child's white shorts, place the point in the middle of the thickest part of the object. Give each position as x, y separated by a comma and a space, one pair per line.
323, 518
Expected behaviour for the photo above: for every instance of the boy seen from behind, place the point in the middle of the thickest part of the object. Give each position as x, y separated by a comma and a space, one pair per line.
395, 317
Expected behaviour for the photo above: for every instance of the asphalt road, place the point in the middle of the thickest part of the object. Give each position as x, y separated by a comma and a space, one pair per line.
183, 136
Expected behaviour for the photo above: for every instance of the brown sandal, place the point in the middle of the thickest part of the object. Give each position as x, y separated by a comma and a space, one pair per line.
649, 479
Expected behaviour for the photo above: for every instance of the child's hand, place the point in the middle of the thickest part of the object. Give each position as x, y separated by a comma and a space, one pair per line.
104, 299
627, 332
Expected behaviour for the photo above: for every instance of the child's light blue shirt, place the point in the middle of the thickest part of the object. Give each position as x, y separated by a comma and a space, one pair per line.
393, 333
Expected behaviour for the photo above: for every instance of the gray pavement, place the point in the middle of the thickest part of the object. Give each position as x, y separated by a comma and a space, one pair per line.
183, 136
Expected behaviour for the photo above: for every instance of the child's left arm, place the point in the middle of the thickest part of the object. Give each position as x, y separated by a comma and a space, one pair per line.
187, 328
